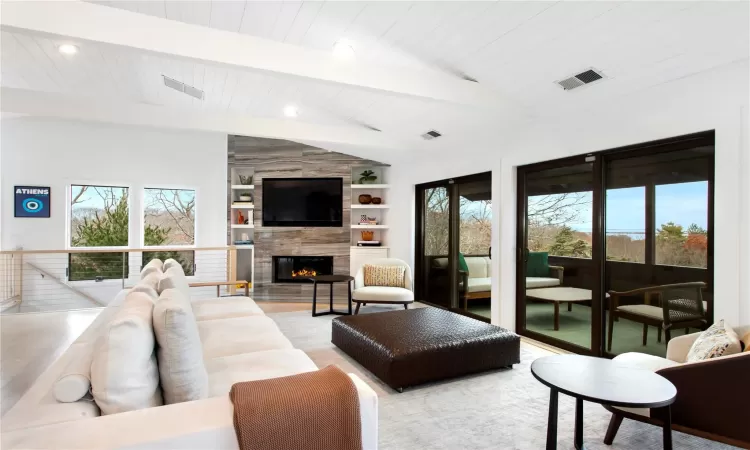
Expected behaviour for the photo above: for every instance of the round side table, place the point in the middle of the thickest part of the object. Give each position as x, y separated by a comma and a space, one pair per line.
605, 382
330, 280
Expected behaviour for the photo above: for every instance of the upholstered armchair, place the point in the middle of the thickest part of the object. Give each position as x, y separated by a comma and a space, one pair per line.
402, 295
711, 394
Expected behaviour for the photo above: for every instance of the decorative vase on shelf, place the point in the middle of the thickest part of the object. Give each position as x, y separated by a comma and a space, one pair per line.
367, 235
365, 199
240, 218
246, 179
376, 200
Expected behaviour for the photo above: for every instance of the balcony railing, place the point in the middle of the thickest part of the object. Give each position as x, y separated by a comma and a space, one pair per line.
58, 280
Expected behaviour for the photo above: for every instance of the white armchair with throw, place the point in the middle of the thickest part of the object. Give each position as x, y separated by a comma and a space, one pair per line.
383, 281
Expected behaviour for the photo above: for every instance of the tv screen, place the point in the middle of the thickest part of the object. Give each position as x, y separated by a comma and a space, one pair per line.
302, 202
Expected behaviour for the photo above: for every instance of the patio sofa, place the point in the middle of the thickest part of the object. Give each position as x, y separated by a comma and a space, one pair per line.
238, 343
539, 274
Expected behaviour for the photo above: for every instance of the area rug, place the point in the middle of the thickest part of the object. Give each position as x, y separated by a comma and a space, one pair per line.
504, 409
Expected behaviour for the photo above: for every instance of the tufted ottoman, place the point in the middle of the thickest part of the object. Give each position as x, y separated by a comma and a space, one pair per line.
407, 348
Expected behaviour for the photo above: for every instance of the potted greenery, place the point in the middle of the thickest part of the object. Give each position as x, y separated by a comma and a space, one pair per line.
367, 177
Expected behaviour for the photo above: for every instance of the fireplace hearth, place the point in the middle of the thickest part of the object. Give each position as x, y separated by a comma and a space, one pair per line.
299, 269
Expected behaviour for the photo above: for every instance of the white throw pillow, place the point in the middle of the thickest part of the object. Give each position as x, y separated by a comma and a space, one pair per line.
174, 278
124, 374
75, 381
718, 340
179, 350
168, 264
152, 280
153, 266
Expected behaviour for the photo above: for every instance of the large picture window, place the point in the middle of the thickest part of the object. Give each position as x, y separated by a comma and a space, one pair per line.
99, 217
169, 221
682, 222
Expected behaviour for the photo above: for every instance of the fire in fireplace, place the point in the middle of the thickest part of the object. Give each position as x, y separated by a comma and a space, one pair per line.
299, 269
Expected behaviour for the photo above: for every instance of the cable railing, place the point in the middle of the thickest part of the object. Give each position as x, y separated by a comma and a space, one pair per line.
60, 280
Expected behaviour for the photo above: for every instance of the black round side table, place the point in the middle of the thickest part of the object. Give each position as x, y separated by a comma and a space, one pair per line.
605, 382
330, 279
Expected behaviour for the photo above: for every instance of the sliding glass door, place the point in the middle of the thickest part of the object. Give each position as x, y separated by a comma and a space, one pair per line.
453, 265
616, 248
558, 271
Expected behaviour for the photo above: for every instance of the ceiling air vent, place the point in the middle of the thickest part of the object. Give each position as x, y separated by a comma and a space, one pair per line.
432, 134
182, 87
583, 78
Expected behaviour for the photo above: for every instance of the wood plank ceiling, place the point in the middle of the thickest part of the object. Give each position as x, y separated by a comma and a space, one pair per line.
516, 48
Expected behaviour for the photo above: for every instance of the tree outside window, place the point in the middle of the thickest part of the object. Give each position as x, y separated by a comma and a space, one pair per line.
169, 220
99, 217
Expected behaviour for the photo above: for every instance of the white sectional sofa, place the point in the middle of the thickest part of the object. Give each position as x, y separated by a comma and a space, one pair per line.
239, 343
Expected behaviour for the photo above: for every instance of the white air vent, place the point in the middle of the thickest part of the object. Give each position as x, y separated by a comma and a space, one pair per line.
586, 77
432, 134
182, 87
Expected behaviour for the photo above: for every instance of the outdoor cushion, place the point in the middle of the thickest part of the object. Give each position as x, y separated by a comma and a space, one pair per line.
479, 266
541, 282
653, 312
462, 263
480, 284
537, 264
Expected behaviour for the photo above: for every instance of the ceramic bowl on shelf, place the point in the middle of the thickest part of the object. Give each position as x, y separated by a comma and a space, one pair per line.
367, 235
365, 199
377, 200
246, 198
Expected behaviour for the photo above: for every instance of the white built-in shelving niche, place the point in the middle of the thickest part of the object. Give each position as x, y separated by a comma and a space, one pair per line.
374, 188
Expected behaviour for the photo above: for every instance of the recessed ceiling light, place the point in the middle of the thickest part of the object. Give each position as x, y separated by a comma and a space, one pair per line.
291, 111
68, 49
343, 48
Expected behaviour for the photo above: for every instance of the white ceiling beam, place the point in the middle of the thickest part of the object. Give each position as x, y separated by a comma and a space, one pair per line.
46, 104
96, 23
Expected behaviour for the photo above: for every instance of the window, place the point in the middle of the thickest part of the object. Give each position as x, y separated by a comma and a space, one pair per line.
560, 224
681, 224
99, 217
169, 221
626, 224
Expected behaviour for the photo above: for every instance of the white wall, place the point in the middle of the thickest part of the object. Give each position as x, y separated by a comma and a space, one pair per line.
713, 100
58, 153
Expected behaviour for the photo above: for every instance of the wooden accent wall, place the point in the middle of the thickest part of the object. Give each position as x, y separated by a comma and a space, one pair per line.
273, 158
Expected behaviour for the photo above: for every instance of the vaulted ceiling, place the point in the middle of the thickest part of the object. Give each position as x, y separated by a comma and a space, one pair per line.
470, 70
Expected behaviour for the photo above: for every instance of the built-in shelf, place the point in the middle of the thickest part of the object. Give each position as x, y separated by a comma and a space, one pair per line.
244, 246
243, 187
237, 225
370, 206
368, 246
369, 227
371, 186
243, 206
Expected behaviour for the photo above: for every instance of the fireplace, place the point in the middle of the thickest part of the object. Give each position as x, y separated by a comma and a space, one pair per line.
298, 269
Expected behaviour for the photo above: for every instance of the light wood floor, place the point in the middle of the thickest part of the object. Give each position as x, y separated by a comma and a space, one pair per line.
30, 343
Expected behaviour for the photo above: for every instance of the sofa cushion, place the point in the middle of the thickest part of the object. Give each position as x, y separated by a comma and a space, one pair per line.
182, 373
152, 280
376, 275
480, 284
225, 308
541, 282
225, 371
643, 361
153, 266
226, 337
383, 294
718, 340
124, 374
75, 380
537, 264
746, 341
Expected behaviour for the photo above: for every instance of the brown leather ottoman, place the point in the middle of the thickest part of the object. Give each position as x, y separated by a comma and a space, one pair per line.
407, 348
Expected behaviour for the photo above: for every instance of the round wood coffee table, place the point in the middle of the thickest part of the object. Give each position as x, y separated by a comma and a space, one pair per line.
605, 382
330, 279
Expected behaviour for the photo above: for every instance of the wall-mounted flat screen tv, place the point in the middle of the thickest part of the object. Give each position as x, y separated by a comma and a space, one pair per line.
302, 202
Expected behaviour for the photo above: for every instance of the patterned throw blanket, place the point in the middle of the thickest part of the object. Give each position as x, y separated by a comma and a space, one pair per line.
311, 411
